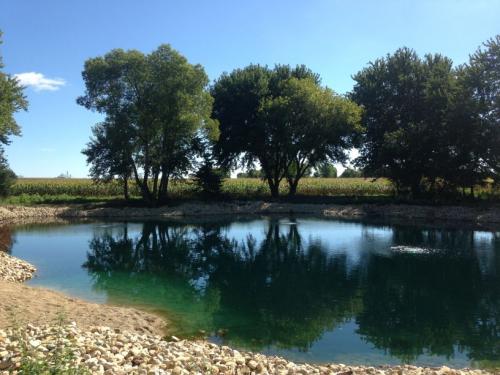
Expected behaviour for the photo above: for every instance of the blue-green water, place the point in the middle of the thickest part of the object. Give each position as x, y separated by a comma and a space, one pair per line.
308, 289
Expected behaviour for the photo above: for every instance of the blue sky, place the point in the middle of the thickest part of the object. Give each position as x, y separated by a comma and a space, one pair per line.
53, 38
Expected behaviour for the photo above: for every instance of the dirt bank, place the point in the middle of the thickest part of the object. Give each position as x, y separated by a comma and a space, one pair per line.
474, 214
20, 304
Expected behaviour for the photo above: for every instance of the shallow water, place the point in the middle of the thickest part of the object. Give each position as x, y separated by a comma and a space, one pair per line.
308, 289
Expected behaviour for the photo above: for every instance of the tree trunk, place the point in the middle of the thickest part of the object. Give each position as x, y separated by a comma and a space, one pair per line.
416, 188
163, 189
125, 188
293, 184
156, 194
142, 187
274, 186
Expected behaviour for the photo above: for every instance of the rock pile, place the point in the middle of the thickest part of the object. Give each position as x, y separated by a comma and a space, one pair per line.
103, 350
14, 269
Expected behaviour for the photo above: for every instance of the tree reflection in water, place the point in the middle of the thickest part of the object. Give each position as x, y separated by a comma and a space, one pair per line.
287, 291
6, 238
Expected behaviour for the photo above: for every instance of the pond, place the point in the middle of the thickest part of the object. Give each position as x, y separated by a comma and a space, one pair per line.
308, 289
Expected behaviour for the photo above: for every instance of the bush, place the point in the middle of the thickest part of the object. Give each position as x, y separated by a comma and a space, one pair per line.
209, 180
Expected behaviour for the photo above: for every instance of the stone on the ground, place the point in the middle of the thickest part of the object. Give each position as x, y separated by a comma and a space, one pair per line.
14, 269
104, 350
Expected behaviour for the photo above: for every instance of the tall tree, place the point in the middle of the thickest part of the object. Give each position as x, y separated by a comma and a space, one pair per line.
12, 100
161, 102
478, 109
319, 126
283, 119
406, 102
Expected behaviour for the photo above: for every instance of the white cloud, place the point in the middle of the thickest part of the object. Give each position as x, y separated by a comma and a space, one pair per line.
39, 82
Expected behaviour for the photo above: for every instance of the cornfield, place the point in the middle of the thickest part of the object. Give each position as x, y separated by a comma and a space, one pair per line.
238, 188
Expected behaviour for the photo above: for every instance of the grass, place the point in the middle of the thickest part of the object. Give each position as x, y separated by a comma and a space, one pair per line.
33, 191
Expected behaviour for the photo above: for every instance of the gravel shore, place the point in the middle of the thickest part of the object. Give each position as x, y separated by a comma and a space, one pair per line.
103, 350
471, 214
15, 270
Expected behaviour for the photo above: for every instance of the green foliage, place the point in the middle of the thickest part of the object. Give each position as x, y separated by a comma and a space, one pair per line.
209, 179
109, 153
12, 100
156, 106
7, 176
282, 118
405, 100
325, 170
477, 114
351, 173
430, 127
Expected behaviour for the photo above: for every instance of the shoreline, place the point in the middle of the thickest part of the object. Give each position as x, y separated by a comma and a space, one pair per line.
21, 304
467, 214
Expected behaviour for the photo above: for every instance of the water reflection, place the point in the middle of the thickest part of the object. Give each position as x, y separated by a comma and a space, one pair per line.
287, 286
6, 241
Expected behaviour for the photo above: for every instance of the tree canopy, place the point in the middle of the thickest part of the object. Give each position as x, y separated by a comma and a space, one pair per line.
421, 122
156, 106
12, 100
430, 126
283, 119
405, 101
478, 108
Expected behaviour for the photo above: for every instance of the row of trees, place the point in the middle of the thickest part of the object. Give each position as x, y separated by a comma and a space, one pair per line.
427, 125
420, 122
162, 122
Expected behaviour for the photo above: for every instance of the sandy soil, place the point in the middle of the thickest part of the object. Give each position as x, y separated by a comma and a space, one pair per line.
20, 304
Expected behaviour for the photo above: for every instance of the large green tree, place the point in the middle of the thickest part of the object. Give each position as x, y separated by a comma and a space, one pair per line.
429, 125
283, 119
12, 100
477, 115
160, 101
406, 102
